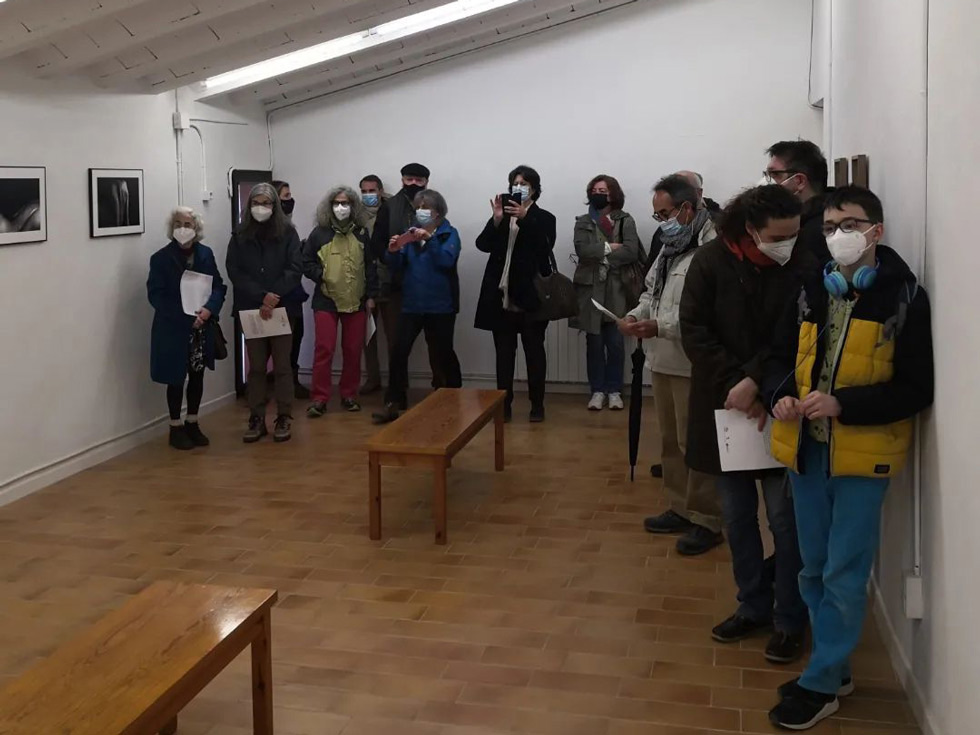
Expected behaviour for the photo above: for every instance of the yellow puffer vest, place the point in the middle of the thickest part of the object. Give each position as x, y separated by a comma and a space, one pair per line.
855, 451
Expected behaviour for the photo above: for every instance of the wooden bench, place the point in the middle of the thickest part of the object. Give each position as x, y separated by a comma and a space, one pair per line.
430, 435
134, 670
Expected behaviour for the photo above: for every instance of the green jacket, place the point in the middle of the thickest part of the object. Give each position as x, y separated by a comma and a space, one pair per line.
599, 276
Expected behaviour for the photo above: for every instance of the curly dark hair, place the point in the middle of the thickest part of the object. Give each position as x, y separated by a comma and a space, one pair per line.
616, 197
756, 207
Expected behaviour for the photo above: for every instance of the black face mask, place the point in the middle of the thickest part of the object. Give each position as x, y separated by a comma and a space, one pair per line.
599, 201
288, 205
412, 190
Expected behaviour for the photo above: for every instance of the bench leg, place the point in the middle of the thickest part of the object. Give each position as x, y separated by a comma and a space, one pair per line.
262, 679
170, 728
498, 429
439, 500
374, 495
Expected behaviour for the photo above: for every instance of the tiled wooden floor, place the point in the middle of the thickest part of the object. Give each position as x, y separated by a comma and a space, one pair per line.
550, 611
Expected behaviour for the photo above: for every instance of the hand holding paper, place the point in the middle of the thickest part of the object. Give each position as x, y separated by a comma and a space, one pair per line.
742, 446
604, 310
195, 290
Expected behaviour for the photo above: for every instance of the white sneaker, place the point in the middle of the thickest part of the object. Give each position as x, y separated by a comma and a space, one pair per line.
597, 402
616, 402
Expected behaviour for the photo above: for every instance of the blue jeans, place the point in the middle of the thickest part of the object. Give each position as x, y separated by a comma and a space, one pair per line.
839, 520
606, 358
763, 595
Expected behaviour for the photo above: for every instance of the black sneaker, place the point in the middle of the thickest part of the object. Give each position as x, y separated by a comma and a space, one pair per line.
282, 431
179, 439
669, 522
804, 709
657, 470
316, 410
350, 405
792, 688
388, 414
193, 430
256, 430
508, 413
785, 648
737, 628
537, 415
699, 540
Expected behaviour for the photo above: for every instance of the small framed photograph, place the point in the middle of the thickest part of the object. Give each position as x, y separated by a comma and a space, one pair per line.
116, 204
23, 205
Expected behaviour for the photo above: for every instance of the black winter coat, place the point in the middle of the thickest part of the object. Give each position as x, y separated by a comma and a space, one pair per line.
257, 267
811, 236
729, 311
532, 255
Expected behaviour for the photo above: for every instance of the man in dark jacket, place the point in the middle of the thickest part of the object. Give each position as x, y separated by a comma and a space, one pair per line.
395, 217
736, 289
800, 167
850, 368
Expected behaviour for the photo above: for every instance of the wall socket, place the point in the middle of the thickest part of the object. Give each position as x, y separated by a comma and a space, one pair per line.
915, 602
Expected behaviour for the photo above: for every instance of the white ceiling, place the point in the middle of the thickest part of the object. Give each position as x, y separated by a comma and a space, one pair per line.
159, 45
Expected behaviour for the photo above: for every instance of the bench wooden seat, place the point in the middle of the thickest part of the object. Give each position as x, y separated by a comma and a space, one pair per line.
430, 435
134, 670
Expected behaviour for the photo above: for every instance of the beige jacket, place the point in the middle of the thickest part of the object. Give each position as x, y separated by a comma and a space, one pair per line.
665, 355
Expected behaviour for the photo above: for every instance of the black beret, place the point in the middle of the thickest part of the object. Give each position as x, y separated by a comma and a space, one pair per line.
415, 169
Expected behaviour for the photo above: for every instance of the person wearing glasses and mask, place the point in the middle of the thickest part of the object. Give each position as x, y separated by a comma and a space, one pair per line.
388, 304
520, 238
264, 262
694, 511
337, 257
606, 242
425, 257
737, 289
850, 368
800, 167
182, 345
294, 300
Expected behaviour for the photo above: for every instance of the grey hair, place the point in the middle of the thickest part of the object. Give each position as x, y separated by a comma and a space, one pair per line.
279, 222
432, 199
324, 211
185, 212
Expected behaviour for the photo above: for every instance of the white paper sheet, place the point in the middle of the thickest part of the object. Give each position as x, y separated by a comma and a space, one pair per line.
741, 445
605, 311
372, 328
254, 326
195, 290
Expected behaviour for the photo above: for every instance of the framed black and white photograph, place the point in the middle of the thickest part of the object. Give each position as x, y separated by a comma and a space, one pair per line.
23, 205
116, 202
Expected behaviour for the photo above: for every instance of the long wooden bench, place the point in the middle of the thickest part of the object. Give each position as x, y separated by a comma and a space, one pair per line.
134, 670
430, 435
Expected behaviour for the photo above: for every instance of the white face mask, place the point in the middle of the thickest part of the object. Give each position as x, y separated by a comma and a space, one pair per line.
767, 180
261, 213
780, 251
423, 216
341, 211
523, 189
848, 247
185, 235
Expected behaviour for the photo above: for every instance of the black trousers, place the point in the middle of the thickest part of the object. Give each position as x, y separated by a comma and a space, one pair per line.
532, 335
439, 331
195, 391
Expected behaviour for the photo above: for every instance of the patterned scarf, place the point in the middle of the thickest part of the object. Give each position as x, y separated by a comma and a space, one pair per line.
675, 246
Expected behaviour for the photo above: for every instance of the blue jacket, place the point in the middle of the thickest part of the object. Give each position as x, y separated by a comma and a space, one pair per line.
171, 332
430, 282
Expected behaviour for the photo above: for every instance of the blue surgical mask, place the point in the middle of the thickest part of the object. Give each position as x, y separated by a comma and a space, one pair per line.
523, 189
424, 216
672, 227
371, 200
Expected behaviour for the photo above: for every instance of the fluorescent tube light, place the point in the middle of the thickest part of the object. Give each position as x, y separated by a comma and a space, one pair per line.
384, 33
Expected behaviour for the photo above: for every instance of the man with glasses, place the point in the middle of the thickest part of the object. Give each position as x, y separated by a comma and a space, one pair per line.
694, 508
800, 167
849, 370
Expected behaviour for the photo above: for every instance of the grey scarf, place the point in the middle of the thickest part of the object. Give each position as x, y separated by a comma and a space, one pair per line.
675, 245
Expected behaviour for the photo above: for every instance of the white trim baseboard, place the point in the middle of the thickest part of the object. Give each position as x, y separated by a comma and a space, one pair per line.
41, 477
902, 665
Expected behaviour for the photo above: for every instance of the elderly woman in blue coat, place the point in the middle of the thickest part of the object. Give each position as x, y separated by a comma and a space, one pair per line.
182, 344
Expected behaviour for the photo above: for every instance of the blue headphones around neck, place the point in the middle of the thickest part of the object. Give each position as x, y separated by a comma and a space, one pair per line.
837, 285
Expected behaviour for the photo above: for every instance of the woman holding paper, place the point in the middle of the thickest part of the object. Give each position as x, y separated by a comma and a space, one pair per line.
186, 292
338, 259
606, 243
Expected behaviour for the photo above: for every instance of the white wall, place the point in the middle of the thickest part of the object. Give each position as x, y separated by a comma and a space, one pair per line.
636, 93
75, 364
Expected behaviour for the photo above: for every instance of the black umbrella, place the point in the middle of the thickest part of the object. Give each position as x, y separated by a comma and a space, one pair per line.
636, 405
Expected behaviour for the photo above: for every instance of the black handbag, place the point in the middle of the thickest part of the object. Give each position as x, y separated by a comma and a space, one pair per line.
556, 292
220, 343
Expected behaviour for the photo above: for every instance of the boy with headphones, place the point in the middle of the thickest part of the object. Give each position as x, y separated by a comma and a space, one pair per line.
850, 369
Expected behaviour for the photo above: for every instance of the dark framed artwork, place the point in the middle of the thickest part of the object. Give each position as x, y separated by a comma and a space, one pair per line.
861, 171
842, 173
116, 202
23, 204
